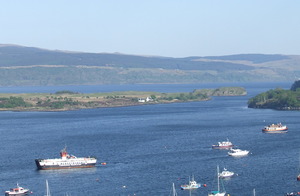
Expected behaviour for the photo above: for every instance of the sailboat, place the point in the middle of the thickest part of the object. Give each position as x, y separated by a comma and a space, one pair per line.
217, 193
47, 189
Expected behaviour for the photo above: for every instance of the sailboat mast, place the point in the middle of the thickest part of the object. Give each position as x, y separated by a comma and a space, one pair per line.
47, 189
174, 193
299, 161
218, 178
298, 176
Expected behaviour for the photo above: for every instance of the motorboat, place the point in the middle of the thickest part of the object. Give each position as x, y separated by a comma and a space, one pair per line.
223, 145
237, 152
18, 191
226, 174
192, 185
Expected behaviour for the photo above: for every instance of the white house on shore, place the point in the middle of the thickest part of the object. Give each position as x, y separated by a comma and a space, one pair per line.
145, 100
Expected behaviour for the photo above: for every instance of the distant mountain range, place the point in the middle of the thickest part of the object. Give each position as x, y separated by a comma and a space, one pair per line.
21, 65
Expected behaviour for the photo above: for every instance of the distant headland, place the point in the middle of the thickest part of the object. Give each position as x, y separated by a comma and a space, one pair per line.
68, 100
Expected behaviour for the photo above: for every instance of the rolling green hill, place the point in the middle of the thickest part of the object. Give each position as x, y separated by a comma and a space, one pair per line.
34, 66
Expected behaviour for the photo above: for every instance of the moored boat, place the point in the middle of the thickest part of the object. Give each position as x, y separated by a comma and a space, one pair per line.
224, 144
65, 162
275, 128
192, 185
292, 193
17, 191
238, 152
226, 174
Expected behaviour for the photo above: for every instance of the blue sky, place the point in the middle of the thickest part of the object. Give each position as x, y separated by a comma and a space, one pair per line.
173, 28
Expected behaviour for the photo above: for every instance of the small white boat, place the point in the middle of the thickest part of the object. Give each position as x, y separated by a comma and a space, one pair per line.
192, 185
237, 152
17, 191
226, 174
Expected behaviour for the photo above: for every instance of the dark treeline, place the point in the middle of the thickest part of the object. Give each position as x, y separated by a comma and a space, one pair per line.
278, 98
13, 102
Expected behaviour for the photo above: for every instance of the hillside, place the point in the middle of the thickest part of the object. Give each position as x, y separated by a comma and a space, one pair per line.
34, 66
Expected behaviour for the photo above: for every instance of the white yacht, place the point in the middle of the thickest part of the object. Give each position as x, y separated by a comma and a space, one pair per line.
238, 152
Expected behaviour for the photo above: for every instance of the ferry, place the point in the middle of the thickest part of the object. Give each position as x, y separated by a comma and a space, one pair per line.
65, 162
223, 145
275, 128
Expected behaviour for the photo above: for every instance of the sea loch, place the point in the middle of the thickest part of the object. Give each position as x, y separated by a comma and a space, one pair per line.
147, 148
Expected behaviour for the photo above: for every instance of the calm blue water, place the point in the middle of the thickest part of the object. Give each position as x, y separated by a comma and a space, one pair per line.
147, 148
